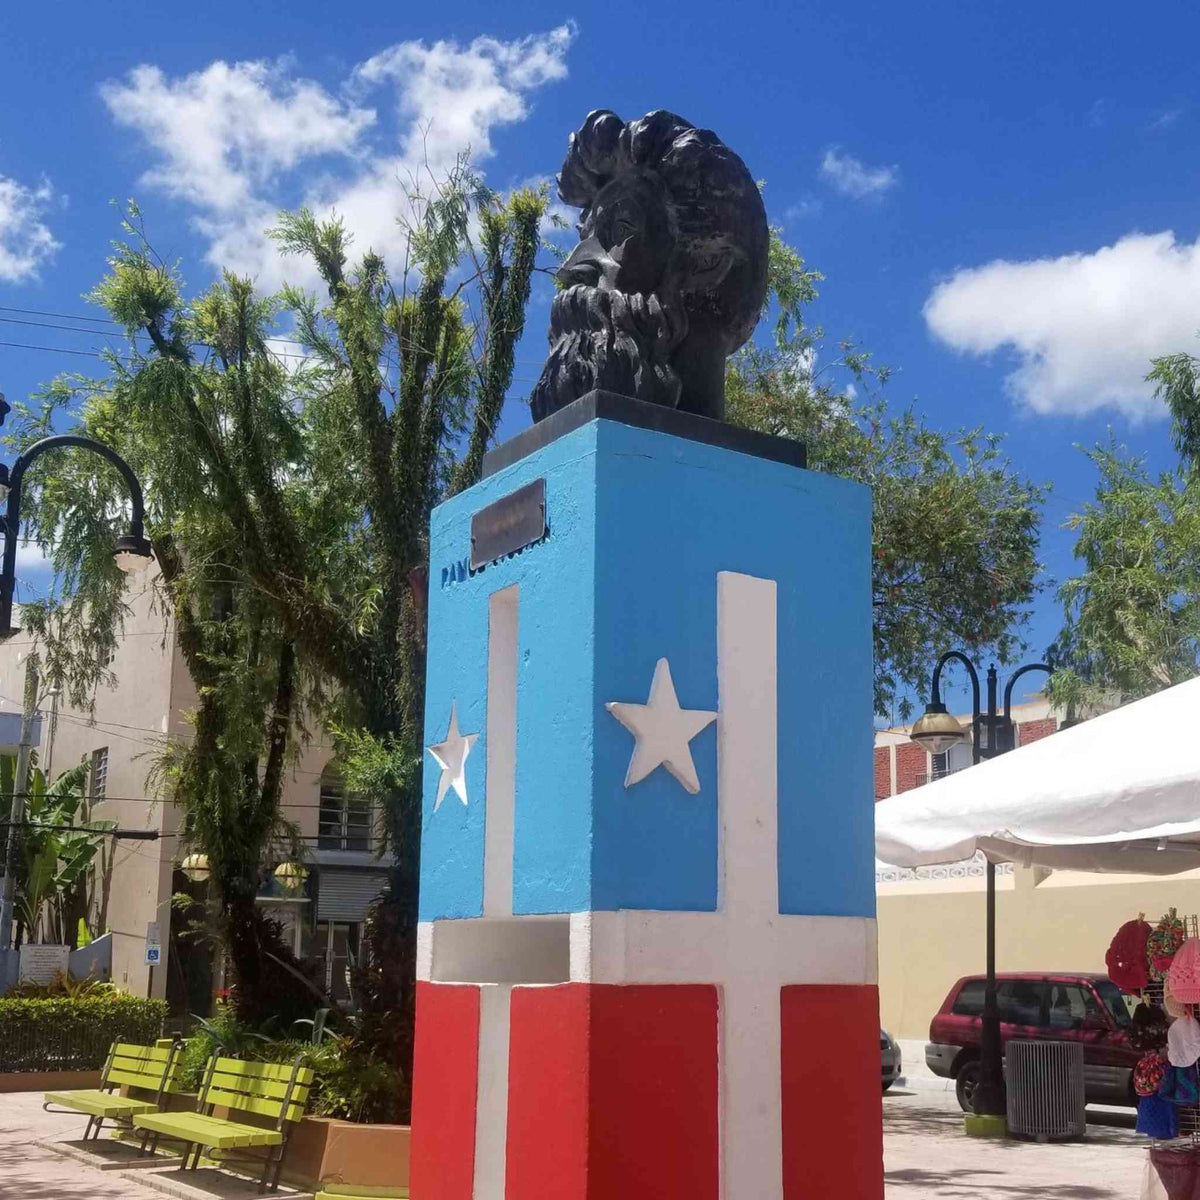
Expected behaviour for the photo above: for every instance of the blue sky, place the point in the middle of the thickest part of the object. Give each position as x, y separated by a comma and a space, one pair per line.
1002, 198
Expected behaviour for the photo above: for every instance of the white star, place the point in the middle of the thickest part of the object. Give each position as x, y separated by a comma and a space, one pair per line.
663, 731
451, 756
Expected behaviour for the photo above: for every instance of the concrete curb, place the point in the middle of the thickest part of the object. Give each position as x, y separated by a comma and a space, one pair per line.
231, 1185
91, 1159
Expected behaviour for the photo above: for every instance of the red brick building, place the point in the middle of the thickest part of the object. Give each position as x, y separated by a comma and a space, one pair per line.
900, 764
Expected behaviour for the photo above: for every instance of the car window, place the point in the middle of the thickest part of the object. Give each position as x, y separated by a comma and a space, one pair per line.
1019, 1001
1070, 1004
1114, 1001
969, 1002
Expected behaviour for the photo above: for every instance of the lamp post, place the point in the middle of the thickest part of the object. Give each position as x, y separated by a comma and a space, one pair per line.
131, 550
991, 734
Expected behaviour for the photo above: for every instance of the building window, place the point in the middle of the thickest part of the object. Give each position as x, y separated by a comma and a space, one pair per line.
344, 820
955, 759
99, 779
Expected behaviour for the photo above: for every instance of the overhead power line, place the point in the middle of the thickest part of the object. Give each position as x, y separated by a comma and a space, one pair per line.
130, 835
119, 332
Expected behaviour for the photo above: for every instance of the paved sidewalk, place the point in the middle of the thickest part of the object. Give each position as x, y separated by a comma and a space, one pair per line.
29, 1172
927, 1155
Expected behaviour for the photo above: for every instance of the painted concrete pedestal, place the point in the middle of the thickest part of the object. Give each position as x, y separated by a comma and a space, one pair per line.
647, 950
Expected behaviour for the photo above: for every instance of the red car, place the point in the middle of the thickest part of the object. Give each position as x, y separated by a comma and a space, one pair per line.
1061, 1007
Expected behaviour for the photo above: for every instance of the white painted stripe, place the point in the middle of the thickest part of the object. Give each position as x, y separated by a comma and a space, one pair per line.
501, 753
425, 950
747, 789
491, 1101
491, 1113
696, 947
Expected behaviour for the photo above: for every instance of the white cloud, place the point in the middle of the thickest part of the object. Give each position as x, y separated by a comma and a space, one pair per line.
30, 557
805, 207
232, 139
1083, 326
846, 174
26, 242
1166, 118
450, 96
223, 131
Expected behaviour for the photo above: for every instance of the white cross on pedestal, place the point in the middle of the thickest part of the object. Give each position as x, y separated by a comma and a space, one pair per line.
747, 947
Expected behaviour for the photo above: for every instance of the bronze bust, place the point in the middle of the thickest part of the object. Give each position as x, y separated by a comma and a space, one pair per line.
670, 273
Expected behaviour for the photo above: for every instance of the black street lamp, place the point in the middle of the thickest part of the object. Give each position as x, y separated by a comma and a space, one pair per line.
131, 550
991, 734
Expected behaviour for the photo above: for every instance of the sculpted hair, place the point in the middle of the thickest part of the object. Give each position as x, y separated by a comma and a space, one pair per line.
718, 217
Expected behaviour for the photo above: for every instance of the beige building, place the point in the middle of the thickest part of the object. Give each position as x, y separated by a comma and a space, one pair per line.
136, 879
932, 920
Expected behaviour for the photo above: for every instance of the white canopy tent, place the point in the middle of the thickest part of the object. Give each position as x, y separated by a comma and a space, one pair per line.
1117, 793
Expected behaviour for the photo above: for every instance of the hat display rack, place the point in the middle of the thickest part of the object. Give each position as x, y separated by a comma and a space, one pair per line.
1189, 1114
1174, 1160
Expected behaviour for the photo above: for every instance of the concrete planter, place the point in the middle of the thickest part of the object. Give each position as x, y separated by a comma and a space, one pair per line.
48, 1081
324, 1150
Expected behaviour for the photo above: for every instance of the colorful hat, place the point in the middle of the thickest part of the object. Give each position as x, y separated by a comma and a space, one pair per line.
1180, 1085
1165, 938
1174, 1006
1126, 957
1183, 1042
1147, 1075
1185, 972
1158, 1119
1148, 1028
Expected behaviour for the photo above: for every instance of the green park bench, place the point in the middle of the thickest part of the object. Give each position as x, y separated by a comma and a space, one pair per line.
149, 1068
275, 1091
354, 1191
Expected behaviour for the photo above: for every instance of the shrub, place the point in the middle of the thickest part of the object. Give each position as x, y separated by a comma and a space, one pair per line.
73, 1033
222, 1034
349, 1081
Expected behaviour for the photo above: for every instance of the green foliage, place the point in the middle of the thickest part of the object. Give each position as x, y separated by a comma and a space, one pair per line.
955, 532
351, 1081
58, 844
1132, 614
73, 1033
224, 1034
1177, 381
288, 506
63, 986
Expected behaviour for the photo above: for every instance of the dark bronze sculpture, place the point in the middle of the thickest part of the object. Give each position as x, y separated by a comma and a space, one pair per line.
670, 273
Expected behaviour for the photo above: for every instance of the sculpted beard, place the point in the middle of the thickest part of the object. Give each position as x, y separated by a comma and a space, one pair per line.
613, 341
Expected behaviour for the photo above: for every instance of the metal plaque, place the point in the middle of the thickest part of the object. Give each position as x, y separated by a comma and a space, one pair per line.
508, 524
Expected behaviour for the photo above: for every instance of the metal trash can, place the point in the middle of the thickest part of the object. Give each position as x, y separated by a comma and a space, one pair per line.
1045, 1089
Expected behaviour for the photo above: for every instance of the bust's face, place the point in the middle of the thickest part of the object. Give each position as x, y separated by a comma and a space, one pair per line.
625, 239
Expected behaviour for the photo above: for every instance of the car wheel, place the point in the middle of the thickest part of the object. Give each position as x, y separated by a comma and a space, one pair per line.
888, 1084
966, 1083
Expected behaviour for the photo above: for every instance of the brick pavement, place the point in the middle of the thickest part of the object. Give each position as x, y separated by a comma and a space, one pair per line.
926, 1156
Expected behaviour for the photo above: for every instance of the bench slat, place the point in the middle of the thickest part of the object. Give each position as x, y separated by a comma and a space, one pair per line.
138, 1079
256, 1070
264, 1088
98, 1104
207, 1131
158, 1054
263, 1106
135, 1066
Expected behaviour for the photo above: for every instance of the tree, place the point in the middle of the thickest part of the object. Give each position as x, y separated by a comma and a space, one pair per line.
288, 504
1132, 615
956, 528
